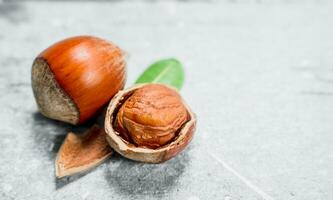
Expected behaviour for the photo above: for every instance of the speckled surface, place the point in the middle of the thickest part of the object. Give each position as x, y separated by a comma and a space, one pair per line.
258, 75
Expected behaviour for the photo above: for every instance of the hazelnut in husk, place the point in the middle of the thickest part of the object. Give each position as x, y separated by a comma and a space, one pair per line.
149, 123
74, 78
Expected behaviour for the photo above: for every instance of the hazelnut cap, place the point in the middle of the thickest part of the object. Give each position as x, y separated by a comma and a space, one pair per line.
142, 154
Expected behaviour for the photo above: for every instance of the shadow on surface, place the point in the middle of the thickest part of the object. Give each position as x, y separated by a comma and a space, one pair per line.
61, 182
130, 178
48, 136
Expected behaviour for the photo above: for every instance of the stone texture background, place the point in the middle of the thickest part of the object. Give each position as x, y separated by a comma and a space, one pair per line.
259, 75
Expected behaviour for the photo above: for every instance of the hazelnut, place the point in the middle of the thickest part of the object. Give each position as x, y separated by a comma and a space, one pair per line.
151, 116
74, 78
149, 123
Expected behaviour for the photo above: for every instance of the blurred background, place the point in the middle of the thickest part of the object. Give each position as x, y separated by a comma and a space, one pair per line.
259, 76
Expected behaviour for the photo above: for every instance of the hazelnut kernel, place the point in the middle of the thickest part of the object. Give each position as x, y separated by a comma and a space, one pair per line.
151, 116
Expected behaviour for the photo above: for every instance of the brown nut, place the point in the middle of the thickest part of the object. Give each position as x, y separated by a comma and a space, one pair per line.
149, 123
74, 78
151, 116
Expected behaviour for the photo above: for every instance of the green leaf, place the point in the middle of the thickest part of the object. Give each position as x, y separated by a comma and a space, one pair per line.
168, 71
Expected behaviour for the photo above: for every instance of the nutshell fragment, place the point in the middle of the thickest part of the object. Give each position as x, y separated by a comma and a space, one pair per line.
80, 153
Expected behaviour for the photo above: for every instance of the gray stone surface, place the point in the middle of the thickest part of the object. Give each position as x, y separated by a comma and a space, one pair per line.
259, 77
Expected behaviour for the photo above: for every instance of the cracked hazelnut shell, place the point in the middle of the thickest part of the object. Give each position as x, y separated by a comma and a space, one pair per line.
74, 78
149, 123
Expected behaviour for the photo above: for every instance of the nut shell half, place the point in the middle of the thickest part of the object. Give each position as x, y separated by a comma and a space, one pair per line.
128, 150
